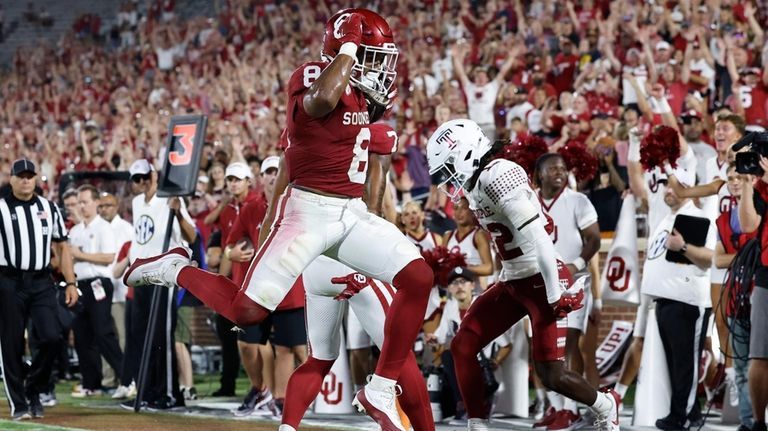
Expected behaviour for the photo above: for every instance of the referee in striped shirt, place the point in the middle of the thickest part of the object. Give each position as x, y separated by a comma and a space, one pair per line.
29, 226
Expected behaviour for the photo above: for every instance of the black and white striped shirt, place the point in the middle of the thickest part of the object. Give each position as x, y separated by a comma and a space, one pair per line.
26, 231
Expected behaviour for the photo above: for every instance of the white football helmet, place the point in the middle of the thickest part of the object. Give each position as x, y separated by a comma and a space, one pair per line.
454, 151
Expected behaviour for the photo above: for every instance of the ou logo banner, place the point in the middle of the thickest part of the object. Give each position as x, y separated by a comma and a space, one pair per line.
615, 272
332, 389
145, 229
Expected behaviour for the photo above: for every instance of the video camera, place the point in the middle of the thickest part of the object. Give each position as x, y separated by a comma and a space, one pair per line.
748, 162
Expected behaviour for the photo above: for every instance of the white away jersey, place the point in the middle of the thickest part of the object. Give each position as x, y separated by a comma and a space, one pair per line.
572, 212
656, 181
466, 245
500, 182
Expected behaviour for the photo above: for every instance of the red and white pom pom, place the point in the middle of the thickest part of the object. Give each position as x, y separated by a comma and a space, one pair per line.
580, 160
524, 151
660, 146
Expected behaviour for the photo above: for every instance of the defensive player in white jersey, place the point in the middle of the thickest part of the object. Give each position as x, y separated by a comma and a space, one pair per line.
319, 210
649, 188
576, 236
501, 197
717, 200
470, 240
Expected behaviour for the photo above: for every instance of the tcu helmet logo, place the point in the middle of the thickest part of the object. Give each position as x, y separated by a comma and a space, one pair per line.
337, 25
617, 270
332, 389
145, 229
446, 138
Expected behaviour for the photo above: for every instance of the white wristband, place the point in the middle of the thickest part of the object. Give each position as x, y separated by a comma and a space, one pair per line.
579, 263
350, 49
597, 304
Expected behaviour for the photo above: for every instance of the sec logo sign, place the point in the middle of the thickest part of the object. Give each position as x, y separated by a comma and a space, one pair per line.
145, 229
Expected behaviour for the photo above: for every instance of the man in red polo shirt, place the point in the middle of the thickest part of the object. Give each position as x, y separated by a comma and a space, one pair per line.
238, 180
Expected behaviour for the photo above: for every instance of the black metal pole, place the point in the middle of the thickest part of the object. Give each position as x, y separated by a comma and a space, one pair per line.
153, 312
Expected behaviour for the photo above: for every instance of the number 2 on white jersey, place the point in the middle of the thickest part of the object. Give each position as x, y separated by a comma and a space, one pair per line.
359, 165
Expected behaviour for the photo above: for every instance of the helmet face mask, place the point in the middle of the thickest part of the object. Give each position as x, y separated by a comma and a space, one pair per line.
375, 68
449, 177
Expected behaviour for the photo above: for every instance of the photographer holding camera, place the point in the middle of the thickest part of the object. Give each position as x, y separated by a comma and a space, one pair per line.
752, 217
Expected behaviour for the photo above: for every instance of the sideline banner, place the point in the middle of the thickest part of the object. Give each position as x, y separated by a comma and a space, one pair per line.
335, 395
620, 281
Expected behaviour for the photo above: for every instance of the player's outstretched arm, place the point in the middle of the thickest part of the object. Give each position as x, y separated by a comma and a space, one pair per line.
323, 95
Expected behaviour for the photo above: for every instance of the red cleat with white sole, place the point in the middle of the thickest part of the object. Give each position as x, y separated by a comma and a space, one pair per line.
380, 406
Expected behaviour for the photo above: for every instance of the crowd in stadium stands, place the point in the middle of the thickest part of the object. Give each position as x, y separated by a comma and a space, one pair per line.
590, 72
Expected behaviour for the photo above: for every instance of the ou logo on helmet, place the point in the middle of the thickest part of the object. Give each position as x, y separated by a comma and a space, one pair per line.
145, 229
337, 25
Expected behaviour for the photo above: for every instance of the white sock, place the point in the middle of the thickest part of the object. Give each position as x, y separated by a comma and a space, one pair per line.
621, 389
569, 404
379, 383
555, 400
602, 404
541, 394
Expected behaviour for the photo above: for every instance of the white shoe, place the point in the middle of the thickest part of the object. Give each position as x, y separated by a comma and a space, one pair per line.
609, 420
474, 424
285, 427
121, 393
379, 404
158, 270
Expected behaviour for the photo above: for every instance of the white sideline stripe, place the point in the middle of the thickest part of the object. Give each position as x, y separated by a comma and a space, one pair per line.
32, 426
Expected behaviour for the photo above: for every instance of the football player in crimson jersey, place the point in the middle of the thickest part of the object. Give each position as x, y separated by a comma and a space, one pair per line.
368, 298
318, 208
501, 197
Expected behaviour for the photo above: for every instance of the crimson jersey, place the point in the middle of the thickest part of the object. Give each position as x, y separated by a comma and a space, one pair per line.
383, 139
328, 154
754, 100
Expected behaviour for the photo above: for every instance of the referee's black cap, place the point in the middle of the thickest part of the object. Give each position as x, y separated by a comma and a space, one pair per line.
22, 165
